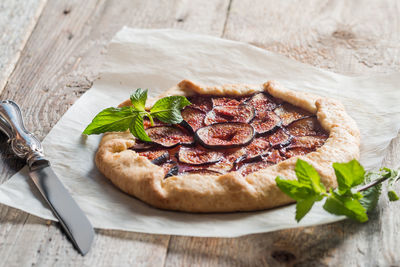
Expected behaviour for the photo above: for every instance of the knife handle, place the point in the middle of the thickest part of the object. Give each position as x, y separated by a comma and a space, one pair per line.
23, 143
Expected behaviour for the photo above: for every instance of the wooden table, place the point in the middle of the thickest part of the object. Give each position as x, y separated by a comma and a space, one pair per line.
51, 52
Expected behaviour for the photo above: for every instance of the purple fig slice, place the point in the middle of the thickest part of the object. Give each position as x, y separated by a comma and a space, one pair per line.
265, 122
147, 123
157, 157
193, 118
234, 156
202, 103
202, 172
161, 159
169, 136
170, 169
298, 151
257, 148
279, 138
220, 167
198, 155
306, 126
274, 157
225, 135
289, 113
262, 102
240, 113
310, 142
140, 146
224, 101
251, 167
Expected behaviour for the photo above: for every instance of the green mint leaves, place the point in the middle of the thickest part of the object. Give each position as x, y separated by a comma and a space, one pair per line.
345, 200
306, 190
348, 175
111, 119
167, 109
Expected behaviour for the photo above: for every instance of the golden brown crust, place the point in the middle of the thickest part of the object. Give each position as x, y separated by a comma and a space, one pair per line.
137, 176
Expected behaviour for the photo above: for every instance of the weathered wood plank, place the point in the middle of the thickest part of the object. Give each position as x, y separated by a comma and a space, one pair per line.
60, 77
17, 20
347, 37
350, 37
57, 66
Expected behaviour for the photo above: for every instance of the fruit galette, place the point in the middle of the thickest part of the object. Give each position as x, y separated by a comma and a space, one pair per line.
233, 142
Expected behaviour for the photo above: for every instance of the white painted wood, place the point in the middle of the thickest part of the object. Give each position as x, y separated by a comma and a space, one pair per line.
17, 20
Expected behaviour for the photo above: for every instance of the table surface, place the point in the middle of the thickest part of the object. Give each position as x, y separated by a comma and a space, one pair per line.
51, 52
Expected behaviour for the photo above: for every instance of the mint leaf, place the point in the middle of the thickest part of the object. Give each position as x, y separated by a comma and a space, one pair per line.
168, 109
306, 174
306, 190
137, 129
345, 205
111, 120
294, 189
302, 193
304, 206
138, 99
371, 195
348, 175
165, 103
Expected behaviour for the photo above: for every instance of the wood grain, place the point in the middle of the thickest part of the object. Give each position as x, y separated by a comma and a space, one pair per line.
17, 20
61, 59
58, 64
350, 37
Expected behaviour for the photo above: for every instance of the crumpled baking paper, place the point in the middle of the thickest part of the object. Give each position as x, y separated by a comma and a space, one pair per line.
159, 59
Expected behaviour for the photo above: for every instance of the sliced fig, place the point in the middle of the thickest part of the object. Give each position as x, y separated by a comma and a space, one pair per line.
219, 167
289, 113
147, 123
169, 136
251, 167
203, 172
274, 157
266, 121
157, 157
170, 169
234, 157
193, 118
161, 159
306, 126
240, 113
279, 138
257, 148
224, 101
225, 135
310, 142
202, 103
262, 102
298, 151
198, 155
141, 146
238, 161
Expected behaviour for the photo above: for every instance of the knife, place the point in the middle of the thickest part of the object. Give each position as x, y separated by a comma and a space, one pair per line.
25, 145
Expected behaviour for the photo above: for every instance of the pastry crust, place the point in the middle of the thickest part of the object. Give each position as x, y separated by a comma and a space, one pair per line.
137, 176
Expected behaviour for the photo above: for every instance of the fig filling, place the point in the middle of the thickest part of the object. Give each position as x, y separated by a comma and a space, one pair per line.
231, 134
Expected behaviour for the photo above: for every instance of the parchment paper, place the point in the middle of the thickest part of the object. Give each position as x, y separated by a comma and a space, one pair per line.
159, 59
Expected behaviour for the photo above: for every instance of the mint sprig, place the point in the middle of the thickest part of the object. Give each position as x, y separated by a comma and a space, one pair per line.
349, 199
167, 109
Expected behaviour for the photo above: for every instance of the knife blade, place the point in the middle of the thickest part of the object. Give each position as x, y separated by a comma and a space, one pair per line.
25, 145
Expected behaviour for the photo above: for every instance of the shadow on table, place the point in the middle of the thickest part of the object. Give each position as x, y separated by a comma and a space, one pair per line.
308, 246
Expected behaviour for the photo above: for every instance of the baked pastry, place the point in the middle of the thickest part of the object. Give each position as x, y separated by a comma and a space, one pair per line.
234, 141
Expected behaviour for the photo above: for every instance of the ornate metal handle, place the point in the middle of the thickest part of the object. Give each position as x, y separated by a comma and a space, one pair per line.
23, 143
